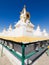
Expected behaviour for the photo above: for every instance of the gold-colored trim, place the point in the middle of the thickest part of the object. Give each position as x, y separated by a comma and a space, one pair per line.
24, 38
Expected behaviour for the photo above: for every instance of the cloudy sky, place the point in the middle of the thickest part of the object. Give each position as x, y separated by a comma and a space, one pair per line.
10, 12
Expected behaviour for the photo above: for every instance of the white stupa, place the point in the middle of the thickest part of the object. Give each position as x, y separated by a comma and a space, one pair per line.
44, 33
37, 32
23, 27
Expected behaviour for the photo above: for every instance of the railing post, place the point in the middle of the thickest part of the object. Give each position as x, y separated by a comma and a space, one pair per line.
2, 49
23, 53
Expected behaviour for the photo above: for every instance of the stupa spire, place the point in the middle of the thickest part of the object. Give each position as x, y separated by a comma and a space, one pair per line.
4, 30
24, 14
38, 28
24, 10
45, 32
10, 27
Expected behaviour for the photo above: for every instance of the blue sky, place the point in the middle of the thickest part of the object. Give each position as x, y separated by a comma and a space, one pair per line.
10, 12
